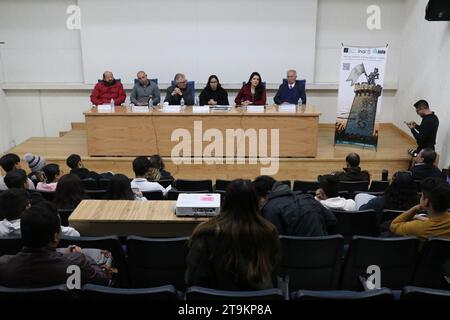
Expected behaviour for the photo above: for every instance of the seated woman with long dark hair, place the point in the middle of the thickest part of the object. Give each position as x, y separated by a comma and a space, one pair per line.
213, 94
253, 92
69, 192
119, 188
401, 194
236, 250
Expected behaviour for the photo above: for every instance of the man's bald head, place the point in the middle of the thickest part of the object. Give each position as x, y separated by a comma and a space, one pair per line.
108, 76
142, 77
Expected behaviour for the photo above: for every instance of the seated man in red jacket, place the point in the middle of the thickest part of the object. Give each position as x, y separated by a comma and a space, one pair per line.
108, 89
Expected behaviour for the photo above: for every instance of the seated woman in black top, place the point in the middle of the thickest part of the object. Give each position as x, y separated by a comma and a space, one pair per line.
213, 93
236, 250
401, 194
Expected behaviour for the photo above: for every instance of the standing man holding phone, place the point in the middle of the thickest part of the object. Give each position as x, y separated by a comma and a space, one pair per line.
425, 133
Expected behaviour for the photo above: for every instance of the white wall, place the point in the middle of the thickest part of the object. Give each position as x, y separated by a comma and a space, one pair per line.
424, 72
229, 38
39, 47
344, 21
5, 125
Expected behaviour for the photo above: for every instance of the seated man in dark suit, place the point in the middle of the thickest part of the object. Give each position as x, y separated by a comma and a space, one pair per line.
353, 172
39, 264
424, 166
291, 90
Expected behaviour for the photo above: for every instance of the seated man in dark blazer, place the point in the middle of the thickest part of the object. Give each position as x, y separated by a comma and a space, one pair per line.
291, 91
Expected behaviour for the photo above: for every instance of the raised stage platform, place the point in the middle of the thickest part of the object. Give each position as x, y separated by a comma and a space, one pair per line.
391, 154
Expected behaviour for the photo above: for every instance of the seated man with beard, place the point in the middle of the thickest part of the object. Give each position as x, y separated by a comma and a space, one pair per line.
107, 89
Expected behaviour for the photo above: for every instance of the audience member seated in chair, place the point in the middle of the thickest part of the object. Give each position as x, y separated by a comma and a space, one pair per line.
36, 164
52, 174
77, 167
69, 192
328, 195
157, 162
13, 203
292, 214
236, 250
435, 201
107, 89
424, 165
400, 195
120, 189
141, 166
10, 162
17, 179
38, 264
353, 172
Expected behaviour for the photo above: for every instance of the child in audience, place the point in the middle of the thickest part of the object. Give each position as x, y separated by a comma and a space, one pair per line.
13, 203
435, 201
157, 162
36, 164
39, 264
9, 162
17, 179
69, 192
328, 195
120, 189
141, 167
401, 194
52, 174
236, 250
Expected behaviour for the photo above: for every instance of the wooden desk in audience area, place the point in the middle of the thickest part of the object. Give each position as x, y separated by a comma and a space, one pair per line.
126, 133
124, 218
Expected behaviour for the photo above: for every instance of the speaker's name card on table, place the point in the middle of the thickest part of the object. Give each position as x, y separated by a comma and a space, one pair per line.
104, 108
139, 109
200, 109
287, 107
223, 108
171, 109
252, 108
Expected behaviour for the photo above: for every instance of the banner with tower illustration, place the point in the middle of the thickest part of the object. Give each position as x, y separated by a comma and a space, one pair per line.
360, 93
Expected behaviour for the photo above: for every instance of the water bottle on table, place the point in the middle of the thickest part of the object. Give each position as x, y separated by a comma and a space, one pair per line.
112, 105
182, 102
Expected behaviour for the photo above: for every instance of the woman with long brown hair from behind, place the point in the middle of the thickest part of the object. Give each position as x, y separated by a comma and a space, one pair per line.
236, 250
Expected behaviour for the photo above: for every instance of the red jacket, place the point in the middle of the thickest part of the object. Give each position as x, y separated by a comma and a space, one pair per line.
102, 93
246, 94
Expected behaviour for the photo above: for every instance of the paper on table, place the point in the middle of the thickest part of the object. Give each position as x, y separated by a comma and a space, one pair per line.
287, 107
255, 108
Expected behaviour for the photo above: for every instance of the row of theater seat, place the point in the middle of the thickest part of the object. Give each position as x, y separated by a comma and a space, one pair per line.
91, 292
308, 263
221, 185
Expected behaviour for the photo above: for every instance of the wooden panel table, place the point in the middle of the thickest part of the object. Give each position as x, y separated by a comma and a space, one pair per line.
126, 133
124, 218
